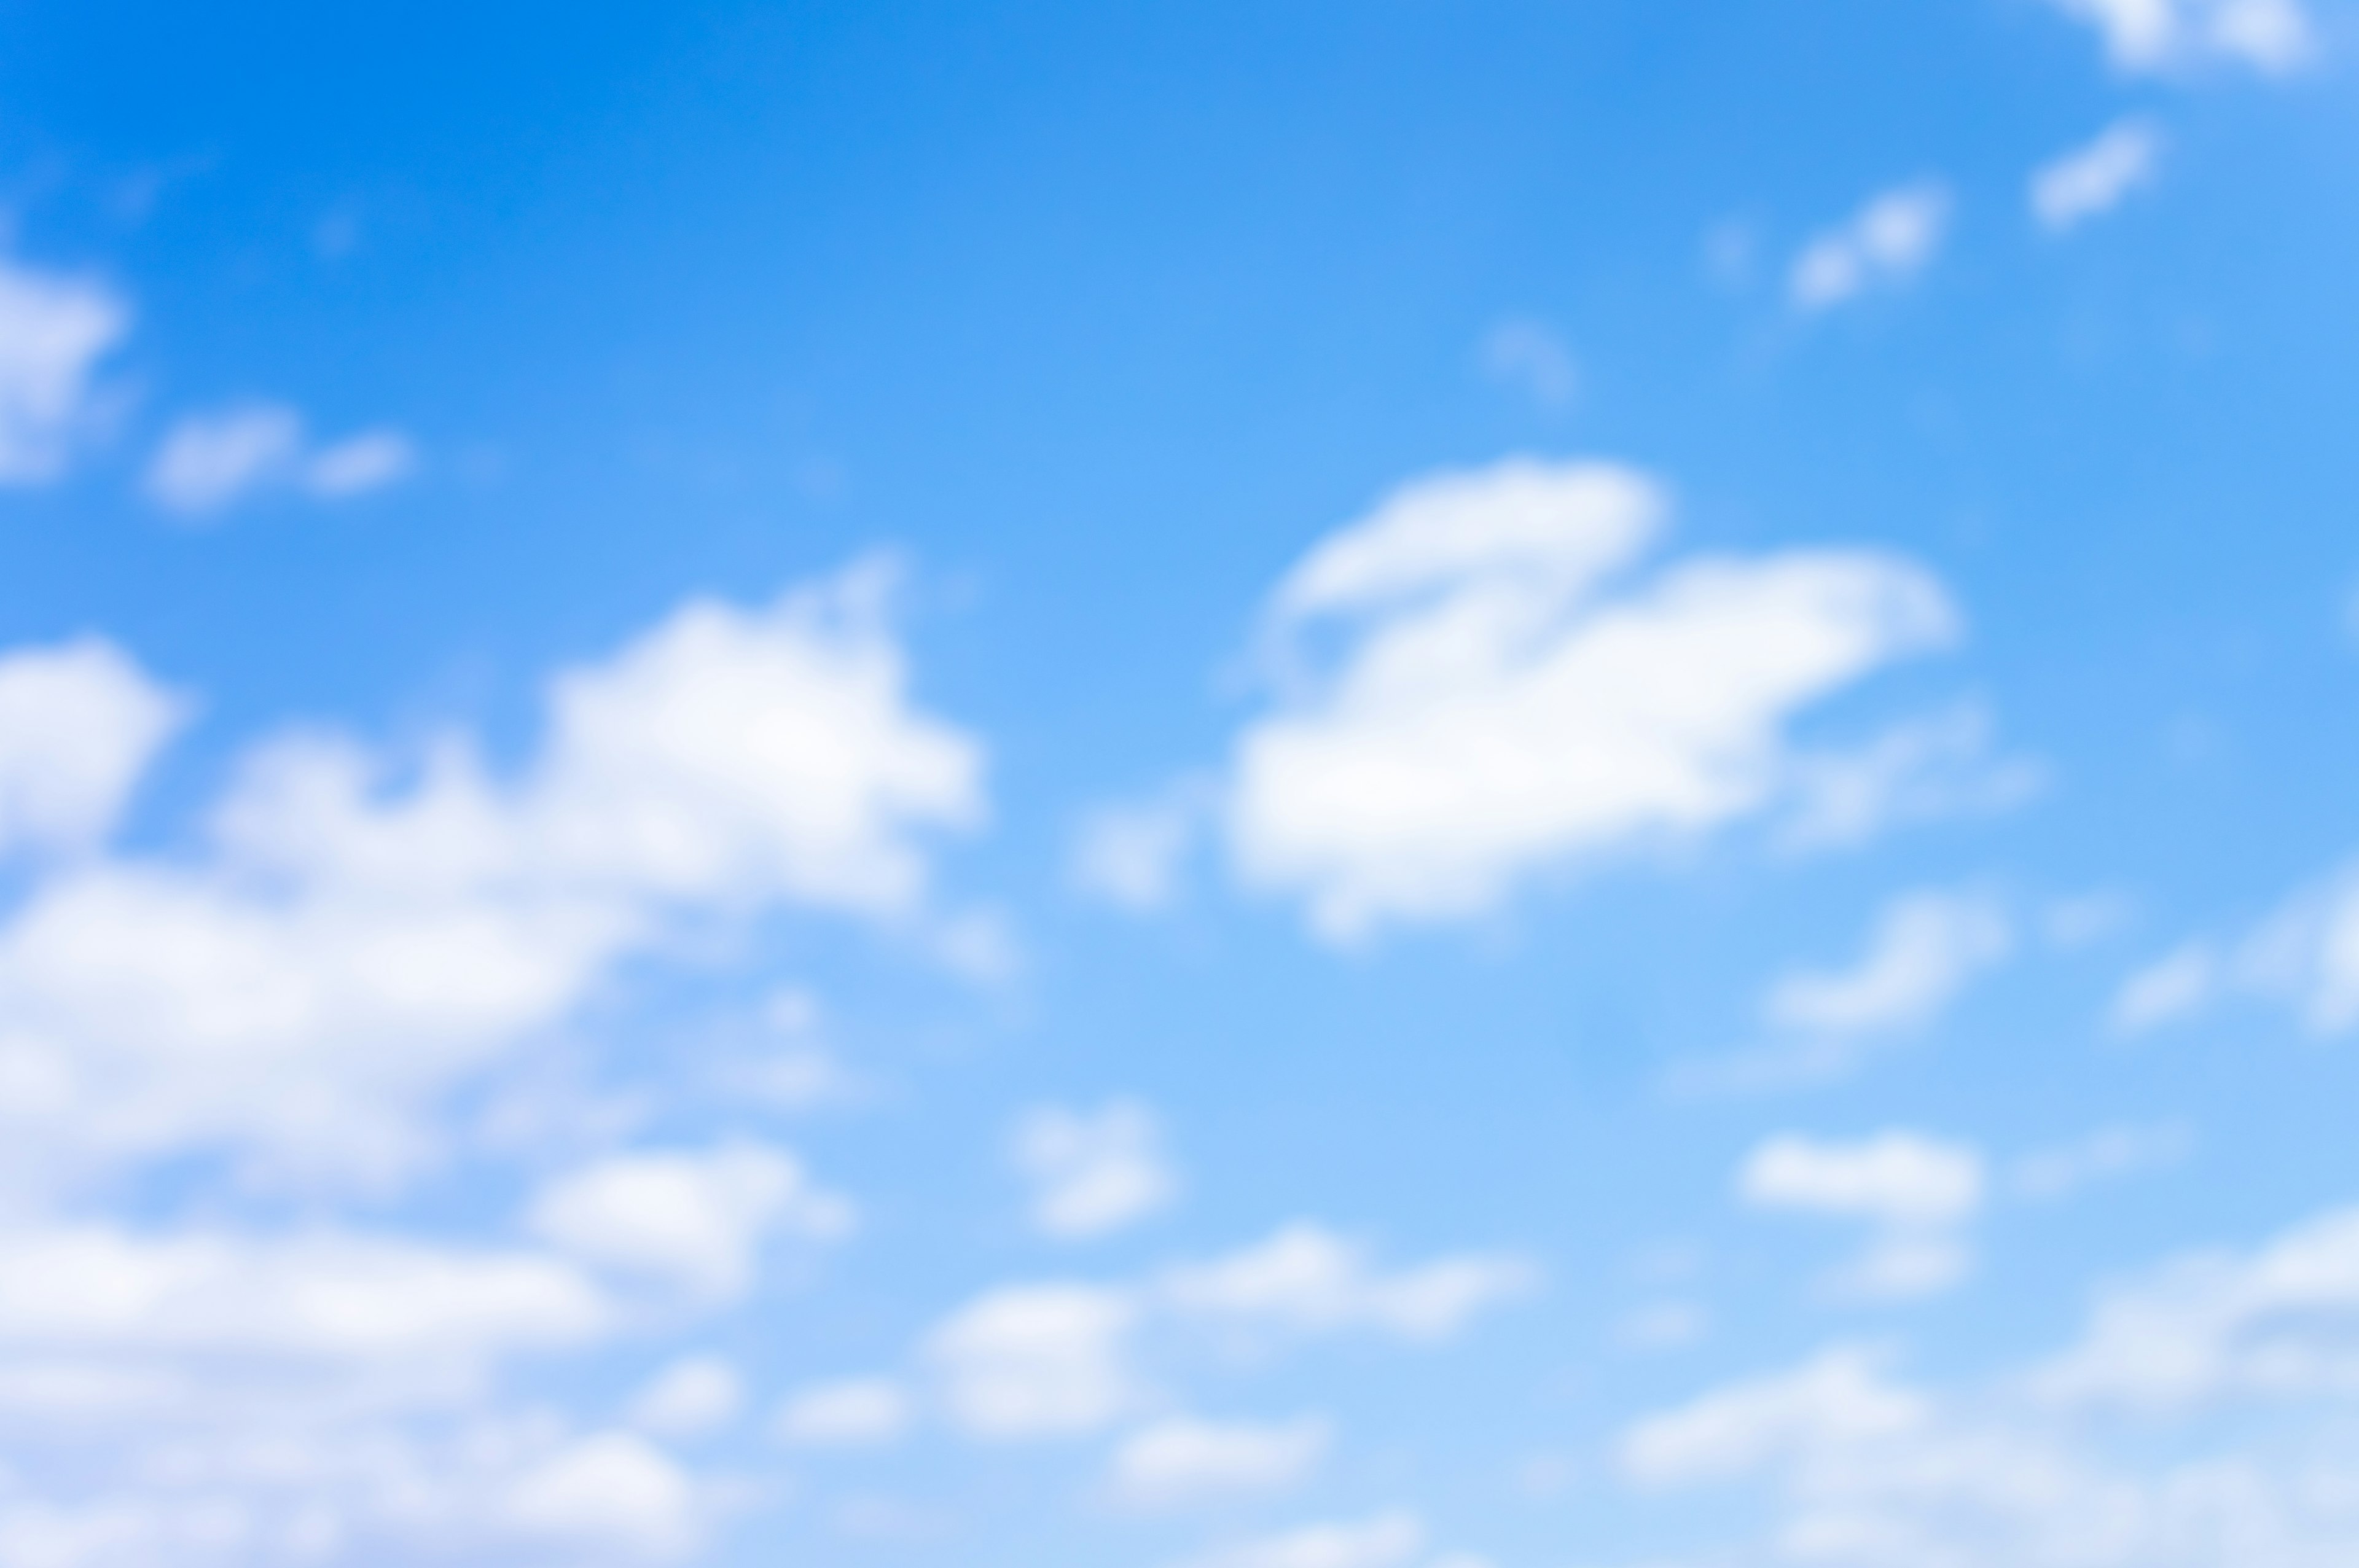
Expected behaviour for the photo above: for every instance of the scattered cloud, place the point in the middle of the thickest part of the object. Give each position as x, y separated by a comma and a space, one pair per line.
1028, 1361
343, 951
1182, 1461
79, 724
1841, 1398
2092, 180
55, 330
1884, 246
2201, 1419
1528, 356
2274, 36
2304, 956
1924, 950
1092, 1173
853, 1412
691, 1397
693, 1221
1918, 1193
1927, 769
208, 463
1505, 697
1307, 1279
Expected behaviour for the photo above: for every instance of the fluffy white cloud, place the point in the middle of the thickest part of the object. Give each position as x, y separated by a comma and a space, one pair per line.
1926, 948
2092, 180
692, 1396
2270, 36
346, 949
1887, 243
692, 1220
1092, 1173
1917, 1191
1183, 1460
54, 331
79, 723
209, 462
855, 1412
1383, 1542
1036, 1360
1306, 1279
1471, 688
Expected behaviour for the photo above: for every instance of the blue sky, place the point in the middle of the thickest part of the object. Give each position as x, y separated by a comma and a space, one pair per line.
1326, 786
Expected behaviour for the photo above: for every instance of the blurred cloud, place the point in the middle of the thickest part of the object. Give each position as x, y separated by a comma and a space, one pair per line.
55, 329
2273, 36
1916, 1192
1182, 1461
2092, 180
1092, 1173
208, 463
1885, 243
1472, 685
80, 724
339, 954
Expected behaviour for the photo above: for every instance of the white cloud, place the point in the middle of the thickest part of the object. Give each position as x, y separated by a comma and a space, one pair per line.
605, 1492
520, 1491
854, 1413
2173, 986
1916, 1191
343, 951
1529, 356
323, 1298
1922, 769
1183, 1460
1504, 699
2282, 1321
1092, 1173
2270, 36
358, 464
692, 1220
209, 462
1306, 1279
692, 1396
54, 331
2092, 180
2201, 1421
1926, 948
2109, 1153
79, 724
1841, 1397
1028, 1362
1884, 244
2304, 956
1383, 1542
